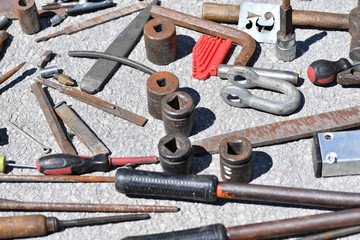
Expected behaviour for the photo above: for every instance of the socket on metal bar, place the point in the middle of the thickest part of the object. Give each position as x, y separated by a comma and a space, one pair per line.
286, 42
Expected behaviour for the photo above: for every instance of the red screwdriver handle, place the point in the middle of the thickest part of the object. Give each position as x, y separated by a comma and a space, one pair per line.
64, 164
322, 72
133, 160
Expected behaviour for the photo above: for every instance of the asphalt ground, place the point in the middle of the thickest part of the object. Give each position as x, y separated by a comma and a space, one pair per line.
287, 164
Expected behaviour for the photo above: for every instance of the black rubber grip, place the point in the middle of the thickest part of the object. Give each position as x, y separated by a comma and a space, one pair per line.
211, 232
190, 187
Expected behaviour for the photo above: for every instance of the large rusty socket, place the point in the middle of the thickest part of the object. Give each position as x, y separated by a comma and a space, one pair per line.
236, 163
354, 30
178, 113
175, 154
160, 41
158, 85
28, 16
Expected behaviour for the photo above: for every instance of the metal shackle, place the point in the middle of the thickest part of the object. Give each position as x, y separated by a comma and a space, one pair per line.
236, 95
236, 163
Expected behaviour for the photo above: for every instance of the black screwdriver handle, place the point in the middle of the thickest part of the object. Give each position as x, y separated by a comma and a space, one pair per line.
64, 164
190, 187
211, 232
322, 72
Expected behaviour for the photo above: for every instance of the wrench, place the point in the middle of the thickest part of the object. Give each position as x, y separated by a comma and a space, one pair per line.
28, 136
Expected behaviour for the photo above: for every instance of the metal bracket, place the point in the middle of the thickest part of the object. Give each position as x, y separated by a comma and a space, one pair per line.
260, 20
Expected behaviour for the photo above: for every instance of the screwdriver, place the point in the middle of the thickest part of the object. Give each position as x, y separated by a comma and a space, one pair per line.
64, 164
40, 225
322, 72
4, 164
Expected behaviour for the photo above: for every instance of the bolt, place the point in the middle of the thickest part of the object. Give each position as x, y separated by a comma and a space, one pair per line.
331, 158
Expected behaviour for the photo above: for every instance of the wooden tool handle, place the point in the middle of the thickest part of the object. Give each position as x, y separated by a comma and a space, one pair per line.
22, 226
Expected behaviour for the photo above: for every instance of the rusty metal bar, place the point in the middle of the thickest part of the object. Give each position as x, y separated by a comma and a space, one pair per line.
291, 226
333, 234
56, 126
55, 178
92, 22
80, 129
7, 75
95, 102
83, 207
286, 131
287, 195
230, 14
247, 43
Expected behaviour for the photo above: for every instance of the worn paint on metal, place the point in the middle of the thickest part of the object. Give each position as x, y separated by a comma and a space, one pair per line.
286, 131
247, 43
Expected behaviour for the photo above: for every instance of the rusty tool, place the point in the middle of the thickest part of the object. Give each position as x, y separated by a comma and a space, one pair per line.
55, 124
247, 43
264, 230
29, 137
349, 77
230, 14
28, 16
286, 131
82, 207
96, 78
175, 154
80, 129
39, 225
207, 188
178, 113
160, 41
158, 85
8, 9
236, 164
45, 58
286, 42
95, 102
55, 179
92, 22
7, 75
333, 234
354, 25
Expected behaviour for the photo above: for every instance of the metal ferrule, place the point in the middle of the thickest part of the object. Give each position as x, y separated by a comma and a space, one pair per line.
57, 19
48, 72
175, 154
178, 113
236, 163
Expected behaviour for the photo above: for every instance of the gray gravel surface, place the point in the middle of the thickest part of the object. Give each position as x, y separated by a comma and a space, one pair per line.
281, 165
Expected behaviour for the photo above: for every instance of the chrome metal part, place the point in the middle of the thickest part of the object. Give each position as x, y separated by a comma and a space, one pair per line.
48, 72
80, 129
260, 20
236, 95
57, 19
28, 136
291, 77
336, 153
3, 22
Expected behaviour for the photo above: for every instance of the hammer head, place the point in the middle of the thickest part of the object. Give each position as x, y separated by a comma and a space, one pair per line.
354, 30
